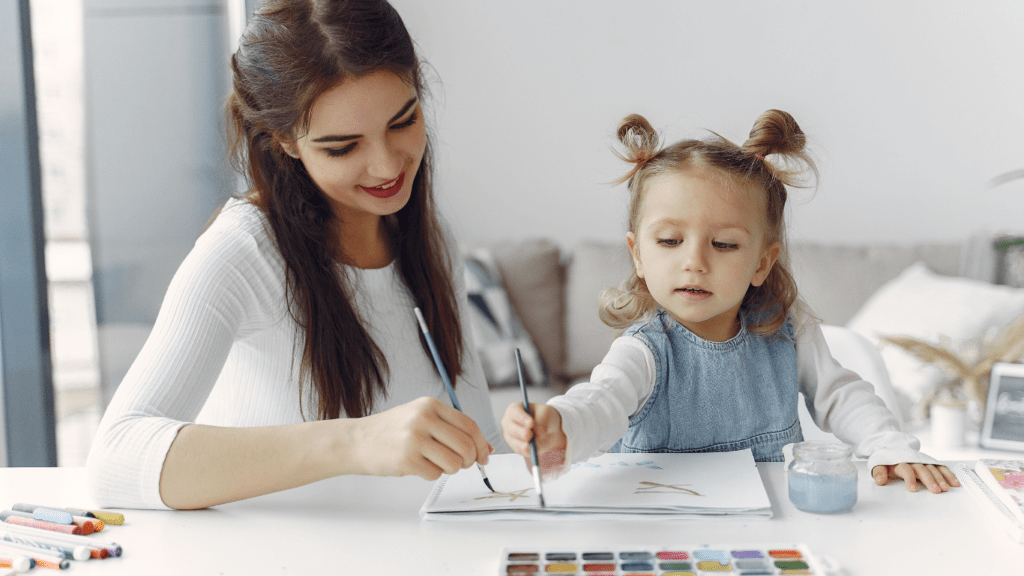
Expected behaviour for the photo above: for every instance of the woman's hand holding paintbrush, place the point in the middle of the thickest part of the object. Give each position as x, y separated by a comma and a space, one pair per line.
448, 384
425, 437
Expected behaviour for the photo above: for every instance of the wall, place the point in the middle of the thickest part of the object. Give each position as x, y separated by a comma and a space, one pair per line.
156, 75
911, 107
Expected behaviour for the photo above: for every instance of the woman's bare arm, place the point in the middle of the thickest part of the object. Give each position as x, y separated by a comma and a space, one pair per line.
209, 465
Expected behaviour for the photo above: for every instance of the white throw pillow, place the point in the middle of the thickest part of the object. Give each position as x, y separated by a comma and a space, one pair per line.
497, 330
921, 304
595, 267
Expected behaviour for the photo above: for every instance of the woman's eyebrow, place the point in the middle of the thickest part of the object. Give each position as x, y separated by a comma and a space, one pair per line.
405, 108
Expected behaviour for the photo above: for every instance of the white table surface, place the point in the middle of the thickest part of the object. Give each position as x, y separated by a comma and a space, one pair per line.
368, 525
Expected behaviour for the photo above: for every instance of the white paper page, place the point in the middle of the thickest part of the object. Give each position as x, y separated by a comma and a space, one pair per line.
720, 482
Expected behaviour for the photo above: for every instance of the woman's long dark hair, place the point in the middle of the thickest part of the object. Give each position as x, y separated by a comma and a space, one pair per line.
293, 51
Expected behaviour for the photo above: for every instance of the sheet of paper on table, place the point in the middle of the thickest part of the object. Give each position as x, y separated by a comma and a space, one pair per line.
619, 486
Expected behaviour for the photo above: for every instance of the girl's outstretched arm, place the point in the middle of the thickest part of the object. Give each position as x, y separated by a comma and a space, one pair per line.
210, 465
935, 478
841, 402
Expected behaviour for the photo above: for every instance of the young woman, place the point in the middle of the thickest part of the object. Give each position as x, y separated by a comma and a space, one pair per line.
286, 349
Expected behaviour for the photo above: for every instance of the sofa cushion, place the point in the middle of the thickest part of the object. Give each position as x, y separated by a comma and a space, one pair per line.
532, 273
937, 309
593, 268
837, 280
497, 330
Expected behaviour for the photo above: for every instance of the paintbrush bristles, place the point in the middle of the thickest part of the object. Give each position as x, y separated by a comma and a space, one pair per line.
536, 483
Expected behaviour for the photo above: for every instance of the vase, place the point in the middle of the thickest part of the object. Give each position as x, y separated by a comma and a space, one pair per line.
975, 415
948, 425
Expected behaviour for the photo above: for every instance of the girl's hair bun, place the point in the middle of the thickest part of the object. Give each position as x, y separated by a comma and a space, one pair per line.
638, 137
640, 143
775, 132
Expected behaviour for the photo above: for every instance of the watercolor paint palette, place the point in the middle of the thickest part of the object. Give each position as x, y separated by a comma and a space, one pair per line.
671, 560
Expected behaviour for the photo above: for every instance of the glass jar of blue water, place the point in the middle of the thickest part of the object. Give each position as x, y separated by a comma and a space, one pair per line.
822, 477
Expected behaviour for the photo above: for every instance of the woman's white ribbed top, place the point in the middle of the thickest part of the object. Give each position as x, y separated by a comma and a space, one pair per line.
224, 352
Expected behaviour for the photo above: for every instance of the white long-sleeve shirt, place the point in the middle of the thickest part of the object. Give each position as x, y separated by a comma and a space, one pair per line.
596, 414
224, 351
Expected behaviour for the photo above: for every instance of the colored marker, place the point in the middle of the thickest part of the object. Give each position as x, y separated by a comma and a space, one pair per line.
115, 518
25, 519
89, 541
533, 441
21, 507
88, 525
43, 558
5, 514
51, 515
62, 517
43, 525
11, 545
78, 512
444, 378
65, 550
18, 562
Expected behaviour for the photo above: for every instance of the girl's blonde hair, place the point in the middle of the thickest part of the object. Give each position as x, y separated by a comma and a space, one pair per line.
775, 134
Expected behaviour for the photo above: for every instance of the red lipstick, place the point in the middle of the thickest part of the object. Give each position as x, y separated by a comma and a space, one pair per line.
388, 189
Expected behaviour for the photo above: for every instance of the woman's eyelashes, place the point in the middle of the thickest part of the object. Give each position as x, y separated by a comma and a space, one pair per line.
409, 122
336, 152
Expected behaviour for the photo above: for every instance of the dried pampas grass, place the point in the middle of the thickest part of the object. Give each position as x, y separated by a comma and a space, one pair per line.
968, 368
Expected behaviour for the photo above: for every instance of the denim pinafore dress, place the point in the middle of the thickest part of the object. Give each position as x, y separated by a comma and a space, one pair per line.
717, 396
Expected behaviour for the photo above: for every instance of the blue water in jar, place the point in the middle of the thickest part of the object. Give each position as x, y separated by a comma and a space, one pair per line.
828, 494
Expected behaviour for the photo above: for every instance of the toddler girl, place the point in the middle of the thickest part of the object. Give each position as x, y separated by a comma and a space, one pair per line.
716, 345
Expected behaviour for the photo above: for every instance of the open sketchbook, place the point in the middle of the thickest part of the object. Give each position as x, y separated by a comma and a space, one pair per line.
1006, 479
620, 486
989, 502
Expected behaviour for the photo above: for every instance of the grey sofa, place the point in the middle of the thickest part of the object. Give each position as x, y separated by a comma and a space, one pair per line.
555, 292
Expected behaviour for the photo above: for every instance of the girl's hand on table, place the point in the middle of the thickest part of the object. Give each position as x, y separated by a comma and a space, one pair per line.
424, 438
935, 478
519, 427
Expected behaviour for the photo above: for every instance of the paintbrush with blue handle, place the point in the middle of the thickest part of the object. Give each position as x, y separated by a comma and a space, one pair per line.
444, 378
